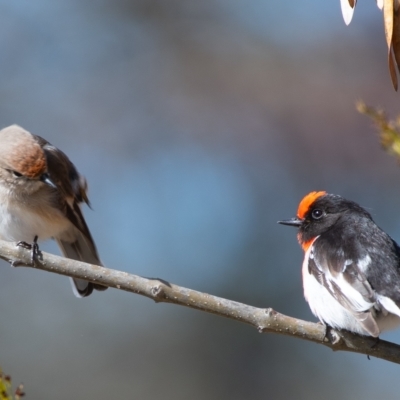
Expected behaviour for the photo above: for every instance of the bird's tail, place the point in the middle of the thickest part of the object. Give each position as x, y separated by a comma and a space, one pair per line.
82, 249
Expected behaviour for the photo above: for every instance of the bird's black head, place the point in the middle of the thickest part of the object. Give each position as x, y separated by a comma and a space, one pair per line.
318, 212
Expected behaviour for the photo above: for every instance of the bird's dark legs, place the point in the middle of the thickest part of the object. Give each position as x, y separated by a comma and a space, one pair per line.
34, 247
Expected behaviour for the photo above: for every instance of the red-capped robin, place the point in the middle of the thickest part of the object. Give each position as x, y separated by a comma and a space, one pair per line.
351, 268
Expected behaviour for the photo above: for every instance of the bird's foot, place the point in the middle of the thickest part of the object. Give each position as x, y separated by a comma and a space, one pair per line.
34, 247
376, 342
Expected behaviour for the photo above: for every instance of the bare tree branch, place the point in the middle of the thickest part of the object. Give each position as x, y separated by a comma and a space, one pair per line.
266, 320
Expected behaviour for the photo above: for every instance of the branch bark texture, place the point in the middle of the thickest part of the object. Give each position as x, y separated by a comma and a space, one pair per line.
265, 320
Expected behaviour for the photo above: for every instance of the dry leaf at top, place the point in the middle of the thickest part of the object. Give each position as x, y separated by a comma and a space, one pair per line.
388, 20
396, 35
348, 7
392, 69
391, 22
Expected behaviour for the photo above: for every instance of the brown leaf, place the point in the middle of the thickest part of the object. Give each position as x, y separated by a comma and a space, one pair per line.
392, 69
388, 21
396, 36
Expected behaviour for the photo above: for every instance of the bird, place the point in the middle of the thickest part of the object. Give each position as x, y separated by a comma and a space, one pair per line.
41, 193
351, 267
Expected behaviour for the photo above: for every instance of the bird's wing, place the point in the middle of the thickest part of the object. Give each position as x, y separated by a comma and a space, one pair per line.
77, 243
345, 280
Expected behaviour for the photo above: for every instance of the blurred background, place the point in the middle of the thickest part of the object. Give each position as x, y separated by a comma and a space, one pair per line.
198, 125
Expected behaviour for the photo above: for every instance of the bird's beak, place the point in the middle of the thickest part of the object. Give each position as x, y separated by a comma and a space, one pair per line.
297, 222
46, 179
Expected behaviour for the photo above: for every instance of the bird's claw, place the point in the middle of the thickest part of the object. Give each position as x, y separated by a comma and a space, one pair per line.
34, 247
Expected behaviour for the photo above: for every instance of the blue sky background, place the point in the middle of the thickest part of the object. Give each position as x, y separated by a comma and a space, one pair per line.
198, 125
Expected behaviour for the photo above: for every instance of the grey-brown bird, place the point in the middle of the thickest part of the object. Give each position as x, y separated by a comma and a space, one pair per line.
40, 196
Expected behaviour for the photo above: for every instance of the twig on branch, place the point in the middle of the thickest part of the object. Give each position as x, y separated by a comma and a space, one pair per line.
266, 320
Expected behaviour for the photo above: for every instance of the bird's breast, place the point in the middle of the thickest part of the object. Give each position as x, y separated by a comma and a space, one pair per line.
22, 221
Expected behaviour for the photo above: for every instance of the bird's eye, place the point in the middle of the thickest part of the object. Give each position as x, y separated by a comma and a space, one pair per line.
15, 173
317, 213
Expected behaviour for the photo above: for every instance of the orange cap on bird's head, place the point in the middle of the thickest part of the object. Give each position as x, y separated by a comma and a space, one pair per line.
304, 207
298, 221
306, 202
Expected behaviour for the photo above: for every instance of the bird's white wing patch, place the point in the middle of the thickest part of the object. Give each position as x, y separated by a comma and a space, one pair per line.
389, 305
343, 297
364, 263
356, 298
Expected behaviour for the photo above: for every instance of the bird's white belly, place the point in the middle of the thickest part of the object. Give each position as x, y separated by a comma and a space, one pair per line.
329, 311
23, 224
324, 306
